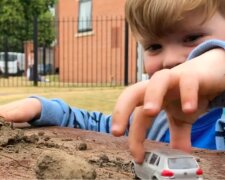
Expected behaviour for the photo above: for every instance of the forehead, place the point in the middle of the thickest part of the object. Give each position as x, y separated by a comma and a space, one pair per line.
192, 20
187, 25
212, 24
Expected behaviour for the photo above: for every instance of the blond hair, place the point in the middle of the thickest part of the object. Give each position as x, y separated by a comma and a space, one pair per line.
151, 19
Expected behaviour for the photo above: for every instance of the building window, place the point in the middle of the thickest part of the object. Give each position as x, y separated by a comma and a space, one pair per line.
85, 16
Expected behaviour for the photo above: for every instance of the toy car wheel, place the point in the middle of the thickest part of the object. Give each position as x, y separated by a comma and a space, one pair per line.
154, 178
133, 171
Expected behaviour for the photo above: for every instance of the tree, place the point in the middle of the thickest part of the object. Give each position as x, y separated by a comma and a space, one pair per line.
41, 10
36, 7
16, 22
11, 17
46, 29
10, 11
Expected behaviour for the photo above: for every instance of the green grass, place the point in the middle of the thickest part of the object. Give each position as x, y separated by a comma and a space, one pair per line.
93, 99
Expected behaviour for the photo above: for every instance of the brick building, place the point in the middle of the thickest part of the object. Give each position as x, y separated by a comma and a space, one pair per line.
91, 42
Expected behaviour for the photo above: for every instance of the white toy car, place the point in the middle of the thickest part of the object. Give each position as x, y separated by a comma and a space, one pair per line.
167, 164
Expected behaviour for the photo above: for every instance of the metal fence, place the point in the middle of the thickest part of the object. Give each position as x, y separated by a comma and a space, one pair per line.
103, 55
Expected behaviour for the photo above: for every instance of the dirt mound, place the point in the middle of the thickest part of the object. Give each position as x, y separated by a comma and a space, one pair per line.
8, 135
40, 154
60, 165
50, 164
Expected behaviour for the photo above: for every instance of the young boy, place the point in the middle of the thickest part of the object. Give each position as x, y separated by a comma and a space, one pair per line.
168, 30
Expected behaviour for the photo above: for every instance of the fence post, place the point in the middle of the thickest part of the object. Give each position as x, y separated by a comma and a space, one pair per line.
126, 54
44, 60
35, 41
6, 57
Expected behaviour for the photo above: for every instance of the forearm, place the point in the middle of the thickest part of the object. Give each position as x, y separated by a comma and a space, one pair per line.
56, 112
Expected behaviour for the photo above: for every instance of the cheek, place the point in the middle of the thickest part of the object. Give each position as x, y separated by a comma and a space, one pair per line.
152, 64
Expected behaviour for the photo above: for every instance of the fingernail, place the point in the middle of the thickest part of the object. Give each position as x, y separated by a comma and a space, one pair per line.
115, 129
188, 106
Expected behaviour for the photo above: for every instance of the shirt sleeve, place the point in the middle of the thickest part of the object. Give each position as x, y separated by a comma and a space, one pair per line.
218, 101
206, 46
55, 112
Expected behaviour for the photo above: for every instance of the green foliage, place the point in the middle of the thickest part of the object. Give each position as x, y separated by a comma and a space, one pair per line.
46, 29
16, 22
36, 7
10, 12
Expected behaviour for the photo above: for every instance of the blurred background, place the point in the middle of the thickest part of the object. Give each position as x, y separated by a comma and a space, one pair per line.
80, 51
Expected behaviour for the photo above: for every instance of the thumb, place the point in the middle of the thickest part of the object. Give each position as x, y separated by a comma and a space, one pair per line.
180, 135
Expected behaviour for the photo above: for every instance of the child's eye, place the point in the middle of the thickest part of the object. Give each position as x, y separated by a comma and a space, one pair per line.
192, 38
153, 48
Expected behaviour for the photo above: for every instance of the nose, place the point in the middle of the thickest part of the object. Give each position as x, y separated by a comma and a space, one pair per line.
173, 56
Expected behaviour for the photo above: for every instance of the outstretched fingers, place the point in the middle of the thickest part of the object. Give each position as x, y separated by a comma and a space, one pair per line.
130, 98
159, 84
189, 86
137, 134
180, 134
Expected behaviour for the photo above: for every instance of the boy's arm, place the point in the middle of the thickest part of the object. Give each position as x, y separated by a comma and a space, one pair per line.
58, 113
39, 111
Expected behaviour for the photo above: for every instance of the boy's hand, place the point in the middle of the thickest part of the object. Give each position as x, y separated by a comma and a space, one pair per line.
21, 111
183, 92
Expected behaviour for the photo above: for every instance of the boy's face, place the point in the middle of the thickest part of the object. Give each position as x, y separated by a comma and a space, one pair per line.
174, 48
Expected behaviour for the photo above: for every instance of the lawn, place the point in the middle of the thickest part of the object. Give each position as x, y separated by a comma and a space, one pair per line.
93, 99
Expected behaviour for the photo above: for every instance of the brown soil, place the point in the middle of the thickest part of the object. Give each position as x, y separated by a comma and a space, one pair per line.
66, 153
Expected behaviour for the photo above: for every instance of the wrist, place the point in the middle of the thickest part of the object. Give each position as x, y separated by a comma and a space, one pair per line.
35, 105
